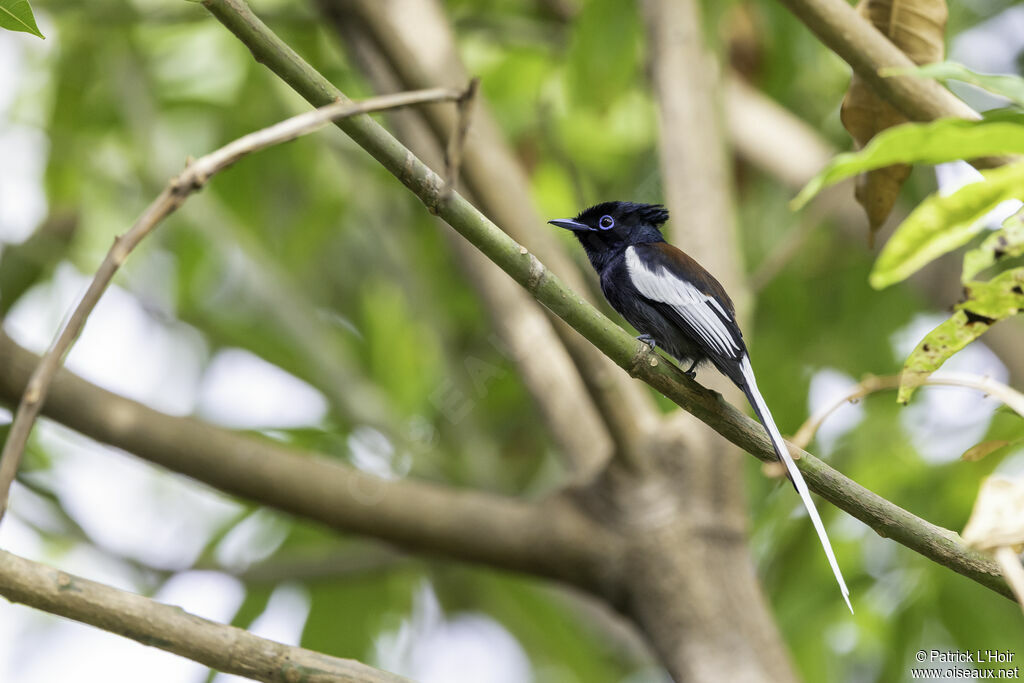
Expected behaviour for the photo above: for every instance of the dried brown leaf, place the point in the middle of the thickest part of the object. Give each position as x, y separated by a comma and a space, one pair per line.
917, 27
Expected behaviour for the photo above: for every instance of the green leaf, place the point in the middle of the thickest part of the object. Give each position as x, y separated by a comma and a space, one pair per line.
932, 143
940, 224
998, 298
1010, 87
987, 303
16, 15
938, 345
1005, 243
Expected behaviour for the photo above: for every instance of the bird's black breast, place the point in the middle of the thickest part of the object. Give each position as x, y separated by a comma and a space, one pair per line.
648, 317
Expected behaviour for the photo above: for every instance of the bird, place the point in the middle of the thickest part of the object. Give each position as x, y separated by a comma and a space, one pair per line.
680, 307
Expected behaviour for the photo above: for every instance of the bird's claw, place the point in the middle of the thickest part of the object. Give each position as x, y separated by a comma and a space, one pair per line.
692, 372
647, 339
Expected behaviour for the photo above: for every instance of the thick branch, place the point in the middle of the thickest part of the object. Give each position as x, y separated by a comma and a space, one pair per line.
522, 325
940, 545
196, 174
218, 646
548, 539
867, 51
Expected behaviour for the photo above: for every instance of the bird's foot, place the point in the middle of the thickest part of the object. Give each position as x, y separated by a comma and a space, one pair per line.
692, 372
647, 339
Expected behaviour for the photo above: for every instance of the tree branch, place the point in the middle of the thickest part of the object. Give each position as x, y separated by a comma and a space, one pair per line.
196, 174
941, 545
419, 45
549, 538
867, 51
218, 646
521, 325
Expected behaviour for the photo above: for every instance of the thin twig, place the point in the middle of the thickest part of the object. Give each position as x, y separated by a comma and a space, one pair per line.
871, 384
196, 174
457, 140
218, 646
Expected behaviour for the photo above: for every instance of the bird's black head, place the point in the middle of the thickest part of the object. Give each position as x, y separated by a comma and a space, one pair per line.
607, 229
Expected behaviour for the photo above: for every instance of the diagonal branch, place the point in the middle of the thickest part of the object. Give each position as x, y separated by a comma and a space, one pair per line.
867, 51
521, 325
196, 174
419, 45
549, 538
938, 544
218, 646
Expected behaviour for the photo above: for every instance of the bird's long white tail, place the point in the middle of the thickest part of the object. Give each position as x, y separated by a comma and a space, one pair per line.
765, 415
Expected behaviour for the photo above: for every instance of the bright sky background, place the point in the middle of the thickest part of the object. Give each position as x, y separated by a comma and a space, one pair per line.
138, 511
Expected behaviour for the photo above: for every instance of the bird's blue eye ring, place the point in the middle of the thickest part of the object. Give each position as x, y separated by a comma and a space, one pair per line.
606, 222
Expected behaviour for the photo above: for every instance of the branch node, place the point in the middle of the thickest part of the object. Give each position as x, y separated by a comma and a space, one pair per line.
33, 393
643, 356
537, 271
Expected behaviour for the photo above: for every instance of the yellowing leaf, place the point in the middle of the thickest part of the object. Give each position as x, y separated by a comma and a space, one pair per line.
1002, 244
940, 224
16, 15
987, 303
916, 27
998, 298
979, 451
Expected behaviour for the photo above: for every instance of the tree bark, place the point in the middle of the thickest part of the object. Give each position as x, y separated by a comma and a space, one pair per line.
218, 646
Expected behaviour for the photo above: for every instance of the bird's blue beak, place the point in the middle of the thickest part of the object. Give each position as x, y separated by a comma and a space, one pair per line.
570, 224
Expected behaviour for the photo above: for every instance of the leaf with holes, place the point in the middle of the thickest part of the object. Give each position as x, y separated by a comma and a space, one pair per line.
1000, 245
940, 224
930, 143
987, 303
16, 15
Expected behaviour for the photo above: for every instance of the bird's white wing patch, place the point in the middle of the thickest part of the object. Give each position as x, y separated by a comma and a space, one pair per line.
698, 309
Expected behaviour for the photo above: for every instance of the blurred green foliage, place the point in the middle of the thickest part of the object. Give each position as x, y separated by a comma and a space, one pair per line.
310, 251
949, 219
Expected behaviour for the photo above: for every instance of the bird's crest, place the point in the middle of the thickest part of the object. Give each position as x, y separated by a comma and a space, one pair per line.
655, 214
